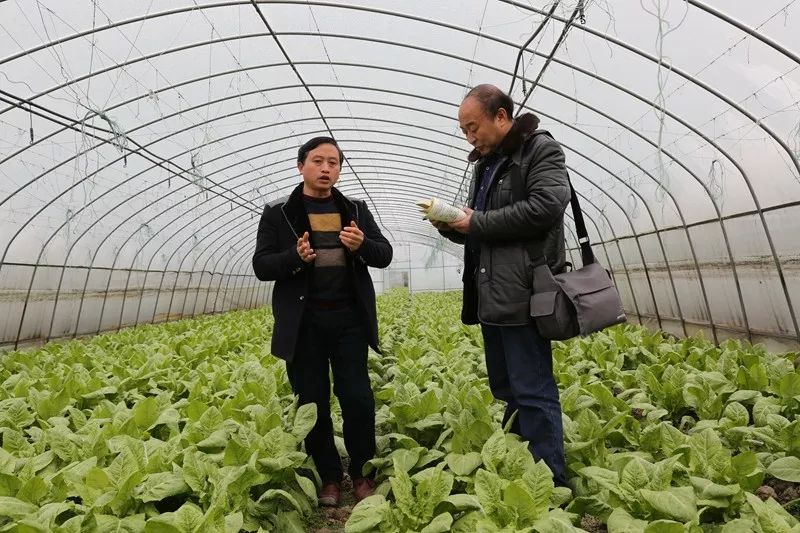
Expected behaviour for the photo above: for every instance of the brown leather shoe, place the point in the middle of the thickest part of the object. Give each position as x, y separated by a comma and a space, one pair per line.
330, 495
363, 487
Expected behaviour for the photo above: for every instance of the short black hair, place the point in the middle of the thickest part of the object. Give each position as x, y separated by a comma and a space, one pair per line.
309, 145
492, 99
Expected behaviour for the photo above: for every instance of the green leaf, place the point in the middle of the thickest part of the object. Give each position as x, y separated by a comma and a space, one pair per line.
621, 522
708, 457
14, 508
771, 518
494, 451
634, 476
188, 517
156, 487
279, 494
463, 464
163, 523
9, 485
217, 439
33, 490
467, 523
307, 486
744, 395
368, 514
539, 480
489, 488
145, 412
789, 386
747, 470
441, 524
606, 479
679, 503
403, 491
518, 498
740, 525
289, 522
234, 522
785, 468
433, 486
405, 460
665, 526
737, 414
304, 421
456, 503
129, 524
196, 469
708, 490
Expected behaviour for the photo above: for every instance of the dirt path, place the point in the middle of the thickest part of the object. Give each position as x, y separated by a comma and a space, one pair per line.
332, 520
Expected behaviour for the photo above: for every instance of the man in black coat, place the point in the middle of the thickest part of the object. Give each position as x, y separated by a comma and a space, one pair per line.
498, 272
316, 245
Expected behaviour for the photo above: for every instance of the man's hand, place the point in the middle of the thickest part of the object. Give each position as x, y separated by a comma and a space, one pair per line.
352, 237
304, 249
462, 225
441, 226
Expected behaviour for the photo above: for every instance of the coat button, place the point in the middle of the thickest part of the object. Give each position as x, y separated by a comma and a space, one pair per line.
483, 271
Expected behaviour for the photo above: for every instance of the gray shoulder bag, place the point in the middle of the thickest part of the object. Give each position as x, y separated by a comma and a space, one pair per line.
576, 302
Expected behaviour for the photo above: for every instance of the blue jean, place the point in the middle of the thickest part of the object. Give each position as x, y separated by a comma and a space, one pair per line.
520, 366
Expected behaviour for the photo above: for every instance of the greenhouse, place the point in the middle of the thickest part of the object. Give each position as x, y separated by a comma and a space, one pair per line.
144, 147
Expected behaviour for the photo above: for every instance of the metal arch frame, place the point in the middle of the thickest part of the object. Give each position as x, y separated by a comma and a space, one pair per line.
729, 102
677, 301
697, 179
675, 203
247, 236
182, 214
419, 19
166, 210
229, 154
271, 33
213, 253
707, 306
691, 246
383, 132
315, 62
680, 215
80, 181
316, 103
790, 309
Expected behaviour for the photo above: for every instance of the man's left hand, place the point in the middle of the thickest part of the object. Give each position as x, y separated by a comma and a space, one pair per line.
462, 225
351, 237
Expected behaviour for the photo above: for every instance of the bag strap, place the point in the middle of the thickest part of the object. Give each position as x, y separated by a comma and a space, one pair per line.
519, 193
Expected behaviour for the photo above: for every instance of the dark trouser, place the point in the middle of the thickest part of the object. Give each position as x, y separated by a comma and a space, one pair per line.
338, 336
520, 366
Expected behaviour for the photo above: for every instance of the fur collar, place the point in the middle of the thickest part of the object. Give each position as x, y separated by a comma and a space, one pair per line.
523, 126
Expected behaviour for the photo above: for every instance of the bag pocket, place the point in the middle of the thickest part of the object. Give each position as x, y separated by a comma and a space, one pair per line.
599, 309
554, 315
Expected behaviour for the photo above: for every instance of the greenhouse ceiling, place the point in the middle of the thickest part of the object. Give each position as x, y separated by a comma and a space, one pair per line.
140, 142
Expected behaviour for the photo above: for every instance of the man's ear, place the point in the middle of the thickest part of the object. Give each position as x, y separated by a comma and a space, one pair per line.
502, 115
300, 167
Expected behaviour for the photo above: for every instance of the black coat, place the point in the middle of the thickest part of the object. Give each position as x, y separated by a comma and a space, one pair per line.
498, 290
276, 259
